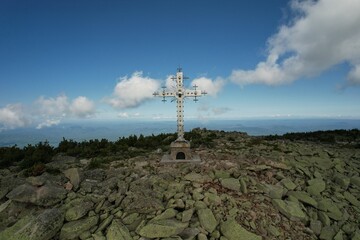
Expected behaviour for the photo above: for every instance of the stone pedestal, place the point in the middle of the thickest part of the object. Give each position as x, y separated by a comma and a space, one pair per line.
180, 152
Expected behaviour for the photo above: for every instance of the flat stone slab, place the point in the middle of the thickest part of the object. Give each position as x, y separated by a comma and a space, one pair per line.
167, 159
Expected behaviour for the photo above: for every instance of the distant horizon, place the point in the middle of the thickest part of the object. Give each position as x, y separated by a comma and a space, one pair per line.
112, 130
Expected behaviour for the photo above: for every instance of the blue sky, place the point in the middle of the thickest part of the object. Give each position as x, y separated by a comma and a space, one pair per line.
64, 61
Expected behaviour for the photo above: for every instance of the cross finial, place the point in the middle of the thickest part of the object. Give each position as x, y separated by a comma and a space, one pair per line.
179, 69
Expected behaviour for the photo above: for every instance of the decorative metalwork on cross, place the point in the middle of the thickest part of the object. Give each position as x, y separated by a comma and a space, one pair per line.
180, 148
179, 94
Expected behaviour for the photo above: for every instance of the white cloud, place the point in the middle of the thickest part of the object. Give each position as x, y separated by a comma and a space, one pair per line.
53, 106
53, 110
170, 83
220, 110
321, 34
123, 115
82, 107
60, 107
48, 123
208, 85
131, 92
12, 116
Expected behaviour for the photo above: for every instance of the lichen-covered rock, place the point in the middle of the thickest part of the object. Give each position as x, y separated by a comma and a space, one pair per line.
73, 229
316, 186
141, 204
233, 231
231, 183
352, 199
355, 181
118, 231
342, 180
288, 184
162, 228
46, 195
316, 226
327, 233
196, 177
78, 211
276, 192
41, 227
207, 219
331, 208
290, 209
303, 197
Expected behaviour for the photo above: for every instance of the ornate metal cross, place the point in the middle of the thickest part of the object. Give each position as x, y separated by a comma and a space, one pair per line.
179, 94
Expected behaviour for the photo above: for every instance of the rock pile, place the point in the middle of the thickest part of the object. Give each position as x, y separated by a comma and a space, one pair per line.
243, 189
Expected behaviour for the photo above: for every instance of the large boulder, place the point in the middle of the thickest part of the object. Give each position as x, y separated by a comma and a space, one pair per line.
162, 228
46, 195
233, 231
73, 229
41, 227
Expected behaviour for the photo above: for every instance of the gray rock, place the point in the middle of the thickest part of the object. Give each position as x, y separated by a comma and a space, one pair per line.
288, 184
352, 199
231, 183
324, 218
332, 209
73, 174
303, 197
355, 181
276, 192
233, 231
290, 209
316, 186
162, 228
46, 195
207, 219
196, 177
189, 233
342, 180
79, 210
316, 226
118, 231
243, 186
327, 233
41, 227
73, 229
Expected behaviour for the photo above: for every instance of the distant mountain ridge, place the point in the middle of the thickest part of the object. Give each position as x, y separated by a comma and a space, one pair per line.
115, 129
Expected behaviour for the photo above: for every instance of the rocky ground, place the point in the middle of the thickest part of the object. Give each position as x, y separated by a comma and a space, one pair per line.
245, 188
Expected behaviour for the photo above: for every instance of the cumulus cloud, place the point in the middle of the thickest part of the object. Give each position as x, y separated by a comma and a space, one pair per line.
321, 34
82, 107
220, 110
12, 116
61, 106
130, 92
53, 110
48, 123
212, 87
53, 106
123, 115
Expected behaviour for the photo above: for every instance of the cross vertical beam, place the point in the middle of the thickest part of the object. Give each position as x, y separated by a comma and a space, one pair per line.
179, 94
